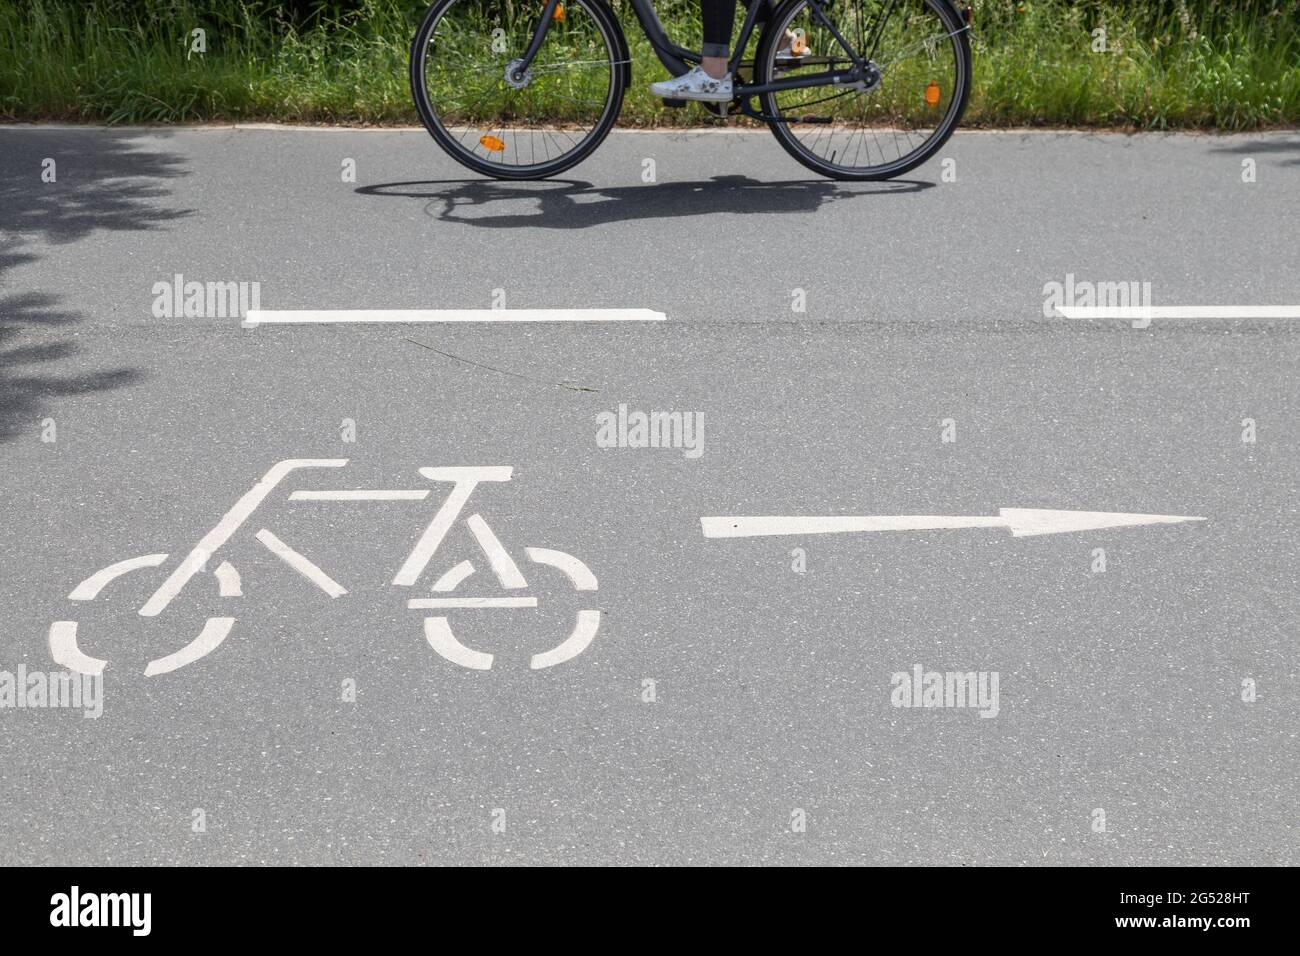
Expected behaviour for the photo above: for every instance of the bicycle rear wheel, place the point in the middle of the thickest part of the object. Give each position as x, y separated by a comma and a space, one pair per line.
518, 127
865, 132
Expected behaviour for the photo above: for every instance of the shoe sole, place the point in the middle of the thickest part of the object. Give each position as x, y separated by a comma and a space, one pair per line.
721, 98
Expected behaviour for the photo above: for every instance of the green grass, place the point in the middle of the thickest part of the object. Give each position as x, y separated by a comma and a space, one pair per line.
1180, 64
1200, 65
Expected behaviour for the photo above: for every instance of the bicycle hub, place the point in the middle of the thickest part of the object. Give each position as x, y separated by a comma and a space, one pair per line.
516, 76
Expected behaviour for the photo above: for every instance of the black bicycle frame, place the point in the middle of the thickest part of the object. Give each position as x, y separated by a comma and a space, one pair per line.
675, 58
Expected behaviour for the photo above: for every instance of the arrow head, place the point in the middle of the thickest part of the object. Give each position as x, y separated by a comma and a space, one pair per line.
1025, 522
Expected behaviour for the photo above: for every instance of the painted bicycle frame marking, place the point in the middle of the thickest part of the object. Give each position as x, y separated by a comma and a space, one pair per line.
66, 651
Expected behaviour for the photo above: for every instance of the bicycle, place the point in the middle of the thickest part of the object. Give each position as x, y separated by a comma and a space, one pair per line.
64, 638
493, 85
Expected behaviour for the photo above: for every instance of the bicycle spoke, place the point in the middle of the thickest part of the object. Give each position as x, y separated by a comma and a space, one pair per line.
880, 29
565, 97
896, 118
917, 47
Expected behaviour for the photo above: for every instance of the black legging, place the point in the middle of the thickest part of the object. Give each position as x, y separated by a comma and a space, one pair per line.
719, 19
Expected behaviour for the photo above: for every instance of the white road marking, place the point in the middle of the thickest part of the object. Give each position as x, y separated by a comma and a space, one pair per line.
464, 479
583, 634
63, 634
213, 633
1022, 522
419, 557
743, 526
1026, 522
474, 473
377, 494
1179, 311
578, 573
91, 587
301, 564
503, 566
66, 653
256, 317
431, 603
440, 638
227, 526
228, 583
450, 580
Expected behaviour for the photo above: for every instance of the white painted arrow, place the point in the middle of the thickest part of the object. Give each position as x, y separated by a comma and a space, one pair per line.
1022, 522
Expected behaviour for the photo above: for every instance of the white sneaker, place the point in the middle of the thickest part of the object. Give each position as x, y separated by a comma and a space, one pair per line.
695, 85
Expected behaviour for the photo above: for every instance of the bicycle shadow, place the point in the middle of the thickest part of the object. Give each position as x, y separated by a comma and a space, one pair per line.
575, 204
1286, 150
103, 181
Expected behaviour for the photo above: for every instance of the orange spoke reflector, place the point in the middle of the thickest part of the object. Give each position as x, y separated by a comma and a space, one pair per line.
492, 143
932, 94
559, 12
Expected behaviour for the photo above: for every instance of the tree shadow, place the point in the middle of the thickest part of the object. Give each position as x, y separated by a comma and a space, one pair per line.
103, 181
571, 204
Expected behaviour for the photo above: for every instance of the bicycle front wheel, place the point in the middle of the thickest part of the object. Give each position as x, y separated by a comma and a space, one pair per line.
874, 130
510, 125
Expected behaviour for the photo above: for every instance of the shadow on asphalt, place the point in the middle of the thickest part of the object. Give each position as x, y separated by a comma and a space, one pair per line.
1288, 149
102, 181
572, 204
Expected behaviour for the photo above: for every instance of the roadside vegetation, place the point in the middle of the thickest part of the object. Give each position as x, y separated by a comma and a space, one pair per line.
1160, 64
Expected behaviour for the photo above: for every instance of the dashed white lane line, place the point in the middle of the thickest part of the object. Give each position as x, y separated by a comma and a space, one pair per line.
1179, 311
256, 317
1021, 522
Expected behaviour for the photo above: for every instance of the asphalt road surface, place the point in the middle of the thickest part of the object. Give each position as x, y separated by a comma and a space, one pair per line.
832, 349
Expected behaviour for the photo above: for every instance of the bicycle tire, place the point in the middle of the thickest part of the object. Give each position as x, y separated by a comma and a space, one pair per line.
955, 23
612, 32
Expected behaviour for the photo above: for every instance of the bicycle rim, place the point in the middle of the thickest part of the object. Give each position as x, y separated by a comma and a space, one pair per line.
524, 129
923, 56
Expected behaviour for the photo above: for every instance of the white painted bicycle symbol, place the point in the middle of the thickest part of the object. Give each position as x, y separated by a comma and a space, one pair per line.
64, 637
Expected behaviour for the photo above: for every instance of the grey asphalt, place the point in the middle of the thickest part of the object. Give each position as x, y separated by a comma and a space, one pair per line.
1119, 691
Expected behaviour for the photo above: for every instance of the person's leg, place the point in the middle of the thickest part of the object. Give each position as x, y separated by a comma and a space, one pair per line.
719, 18
710, 81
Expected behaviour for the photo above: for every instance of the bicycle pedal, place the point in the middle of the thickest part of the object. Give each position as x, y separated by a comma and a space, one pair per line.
674, 104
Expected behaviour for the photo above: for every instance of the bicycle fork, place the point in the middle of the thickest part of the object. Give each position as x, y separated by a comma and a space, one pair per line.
521, 72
